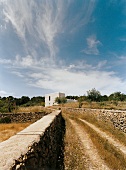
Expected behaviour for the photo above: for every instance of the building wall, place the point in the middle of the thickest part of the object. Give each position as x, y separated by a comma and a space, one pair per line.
50, 98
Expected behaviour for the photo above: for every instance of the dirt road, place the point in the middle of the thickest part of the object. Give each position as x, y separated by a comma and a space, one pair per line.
89, 152
111, 140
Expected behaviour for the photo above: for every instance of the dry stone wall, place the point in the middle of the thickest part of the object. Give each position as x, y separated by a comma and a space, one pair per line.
116, 117
38, 147
23, 117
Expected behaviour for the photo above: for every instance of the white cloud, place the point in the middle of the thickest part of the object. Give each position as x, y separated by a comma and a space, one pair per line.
38, 25
5, 61
101, 64
123, 39
92, 45
80, 65
45, 21
24, 61
27, 61
74, 79
4, 93
41, 20
77, 83
82, 17
121, 59
17, 73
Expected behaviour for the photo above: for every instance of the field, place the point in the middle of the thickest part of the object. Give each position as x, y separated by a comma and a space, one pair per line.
99, 105
89, 143
8, 130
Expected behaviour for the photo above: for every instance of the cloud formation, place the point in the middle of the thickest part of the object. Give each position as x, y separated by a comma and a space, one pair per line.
44, 22
73, 79
77, 82
40, 28
92, 45
4, 93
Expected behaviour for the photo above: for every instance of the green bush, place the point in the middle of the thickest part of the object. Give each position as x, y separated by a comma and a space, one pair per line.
5, 120
4, 109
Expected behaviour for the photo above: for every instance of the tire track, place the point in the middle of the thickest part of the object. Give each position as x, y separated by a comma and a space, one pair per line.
111, 140
96, 163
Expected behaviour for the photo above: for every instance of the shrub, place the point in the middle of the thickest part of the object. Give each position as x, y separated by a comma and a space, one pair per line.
5, 120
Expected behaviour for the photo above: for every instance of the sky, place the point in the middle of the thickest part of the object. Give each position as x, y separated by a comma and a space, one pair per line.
68, 46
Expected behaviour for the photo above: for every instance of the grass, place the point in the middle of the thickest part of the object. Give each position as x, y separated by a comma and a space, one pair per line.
99, 105
32, 109
109, 153
8, 130
73, 156
104, 126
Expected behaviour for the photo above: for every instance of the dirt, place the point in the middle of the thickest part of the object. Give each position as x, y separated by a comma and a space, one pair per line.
96, 162
93, 160
110, 139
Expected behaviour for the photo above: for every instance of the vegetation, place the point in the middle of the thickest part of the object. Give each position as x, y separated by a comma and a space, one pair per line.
32, 109
74, 155
9, 104
94, 95
8, 130
60, 100
5, 120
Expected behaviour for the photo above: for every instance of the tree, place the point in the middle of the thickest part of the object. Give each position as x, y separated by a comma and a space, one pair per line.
24, 100
10, 101
60, 100
104, 98
38, 99
80, 100
93, 95
117, 96
72, 97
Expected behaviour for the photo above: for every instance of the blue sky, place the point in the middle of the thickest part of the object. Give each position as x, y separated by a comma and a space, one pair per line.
62, 45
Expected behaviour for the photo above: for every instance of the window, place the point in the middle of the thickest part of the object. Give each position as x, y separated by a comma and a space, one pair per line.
49, 98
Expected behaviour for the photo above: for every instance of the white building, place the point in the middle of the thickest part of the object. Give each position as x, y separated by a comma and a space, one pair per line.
50, 98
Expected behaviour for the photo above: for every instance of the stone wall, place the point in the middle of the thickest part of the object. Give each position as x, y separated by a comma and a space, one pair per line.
116, 117
23, 117
38, 147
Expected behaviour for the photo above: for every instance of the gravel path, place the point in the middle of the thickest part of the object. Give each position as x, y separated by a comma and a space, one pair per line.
96, 162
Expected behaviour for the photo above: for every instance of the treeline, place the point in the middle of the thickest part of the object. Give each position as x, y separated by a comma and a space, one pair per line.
95, 95
7, 104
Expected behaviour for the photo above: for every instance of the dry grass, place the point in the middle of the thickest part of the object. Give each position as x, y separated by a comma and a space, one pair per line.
8, 130
109, 153
72, 104
105, 105
104, 126
74, 158
32, 109
99, 105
